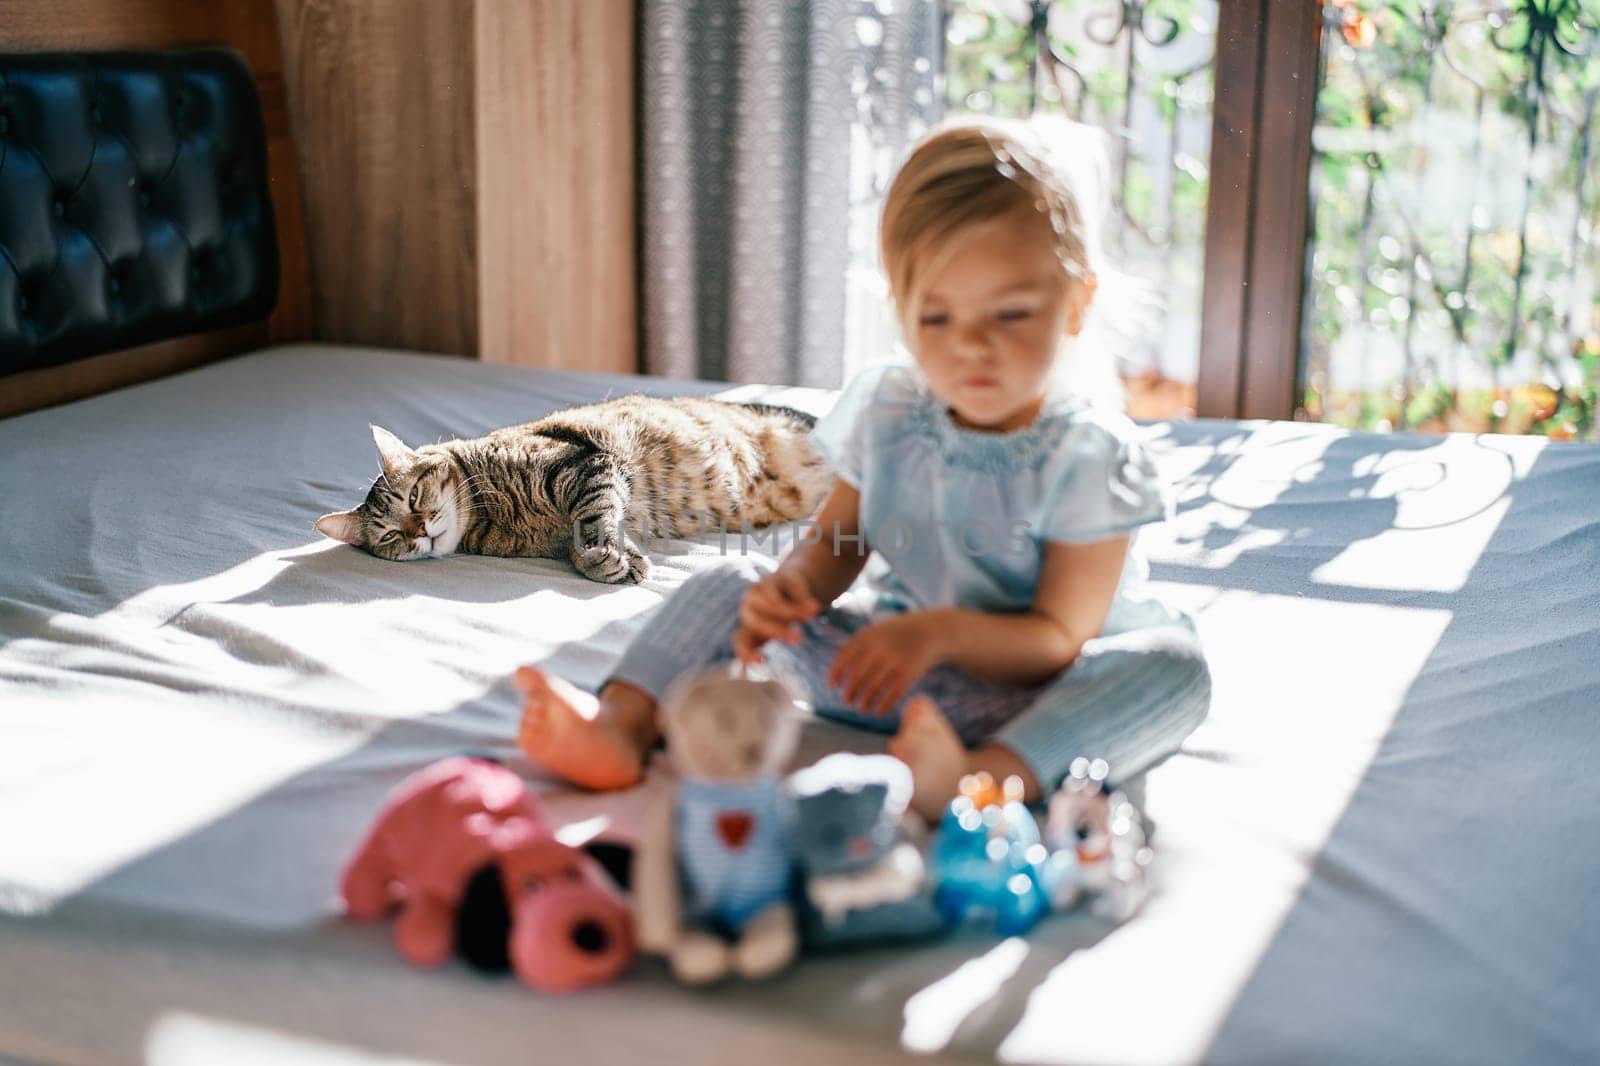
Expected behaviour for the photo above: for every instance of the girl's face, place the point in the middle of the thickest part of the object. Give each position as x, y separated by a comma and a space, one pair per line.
991, 319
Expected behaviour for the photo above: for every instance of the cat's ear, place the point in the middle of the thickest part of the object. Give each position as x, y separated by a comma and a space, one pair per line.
396, 456
342, 525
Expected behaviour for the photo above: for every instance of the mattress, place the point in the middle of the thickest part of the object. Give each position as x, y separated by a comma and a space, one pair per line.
1380, 847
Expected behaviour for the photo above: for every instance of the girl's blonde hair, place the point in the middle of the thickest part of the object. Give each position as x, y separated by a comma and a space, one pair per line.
979, 170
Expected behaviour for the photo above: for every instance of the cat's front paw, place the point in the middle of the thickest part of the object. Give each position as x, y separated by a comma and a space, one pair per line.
614, 564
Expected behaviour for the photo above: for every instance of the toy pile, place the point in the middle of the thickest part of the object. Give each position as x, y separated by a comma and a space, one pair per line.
746, 867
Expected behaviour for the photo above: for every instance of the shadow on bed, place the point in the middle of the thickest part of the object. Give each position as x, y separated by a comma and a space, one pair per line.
1457, 861
260, 879
264, 873
1332, 469
341, 574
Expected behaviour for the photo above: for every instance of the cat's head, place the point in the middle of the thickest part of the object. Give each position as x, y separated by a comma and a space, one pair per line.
412, 511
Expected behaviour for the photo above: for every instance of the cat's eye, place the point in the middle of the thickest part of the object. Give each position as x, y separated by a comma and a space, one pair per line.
416, 495
389, 537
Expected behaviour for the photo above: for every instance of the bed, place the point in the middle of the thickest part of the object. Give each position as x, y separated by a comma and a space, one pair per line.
1379, 847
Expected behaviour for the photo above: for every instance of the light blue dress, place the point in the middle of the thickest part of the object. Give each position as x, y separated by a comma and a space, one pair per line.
961, 517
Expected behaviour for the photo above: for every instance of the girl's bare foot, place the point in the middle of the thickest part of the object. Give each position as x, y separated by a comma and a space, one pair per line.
937, 758
564, 732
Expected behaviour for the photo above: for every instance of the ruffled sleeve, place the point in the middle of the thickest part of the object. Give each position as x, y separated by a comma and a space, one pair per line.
1101, 482
842, 435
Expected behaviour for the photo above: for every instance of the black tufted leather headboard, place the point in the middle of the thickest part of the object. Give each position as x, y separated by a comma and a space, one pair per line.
134, 202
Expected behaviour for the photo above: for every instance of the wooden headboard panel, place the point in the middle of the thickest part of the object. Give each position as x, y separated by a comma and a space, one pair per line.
249, 26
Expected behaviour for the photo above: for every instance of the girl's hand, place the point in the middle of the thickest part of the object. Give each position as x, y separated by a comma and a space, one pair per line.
769, 610
874, 668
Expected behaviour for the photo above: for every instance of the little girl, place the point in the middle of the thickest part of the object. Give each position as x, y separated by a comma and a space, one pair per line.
1001, 626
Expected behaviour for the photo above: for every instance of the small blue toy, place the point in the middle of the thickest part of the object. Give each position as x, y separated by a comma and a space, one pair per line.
989, 857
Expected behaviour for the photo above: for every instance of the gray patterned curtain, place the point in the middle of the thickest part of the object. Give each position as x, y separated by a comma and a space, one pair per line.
768, 133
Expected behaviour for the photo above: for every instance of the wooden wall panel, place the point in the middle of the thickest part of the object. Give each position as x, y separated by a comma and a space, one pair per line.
469, 174
381, 92
556, 235
249, 26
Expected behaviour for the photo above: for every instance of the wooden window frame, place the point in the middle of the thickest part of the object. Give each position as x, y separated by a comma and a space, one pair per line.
1257, 216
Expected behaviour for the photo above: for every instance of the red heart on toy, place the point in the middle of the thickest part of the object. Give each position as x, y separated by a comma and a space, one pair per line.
734, 827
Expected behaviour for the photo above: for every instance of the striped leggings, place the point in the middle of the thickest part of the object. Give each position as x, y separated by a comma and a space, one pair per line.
1130, 699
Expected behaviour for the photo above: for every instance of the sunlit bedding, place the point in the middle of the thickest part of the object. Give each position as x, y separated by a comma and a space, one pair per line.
1380, 847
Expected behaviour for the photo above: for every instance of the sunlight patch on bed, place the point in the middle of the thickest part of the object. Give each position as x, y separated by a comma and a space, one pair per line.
1448, 501
214, 693
1225, 490
184, 765
227, 688
182, 1039
1413, 516
933, 1015
800, 397
1236, 838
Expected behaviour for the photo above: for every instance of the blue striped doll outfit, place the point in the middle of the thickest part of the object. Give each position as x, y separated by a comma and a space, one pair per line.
735, 848
961, 517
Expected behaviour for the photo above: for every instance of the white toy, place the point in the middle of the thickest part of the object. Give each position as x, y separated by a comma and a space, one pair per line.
1096, 836
864, 877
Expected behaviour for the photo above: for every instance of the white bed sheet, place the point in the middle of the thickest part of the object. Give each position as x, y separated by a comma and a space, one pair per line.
1382, 846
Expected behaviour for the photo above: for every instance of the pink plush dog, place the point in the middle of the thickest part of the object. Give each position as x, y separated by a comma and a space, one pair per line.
463, 847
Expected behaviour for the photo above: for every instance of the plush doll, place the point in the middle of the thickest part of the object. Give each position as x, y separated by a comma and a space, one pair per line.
864, 876
714, 871
463, 849
1097, 842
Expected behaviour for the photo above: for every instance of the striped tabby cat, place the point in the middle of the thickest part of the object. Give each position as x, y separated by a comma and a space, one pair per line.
576, 483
